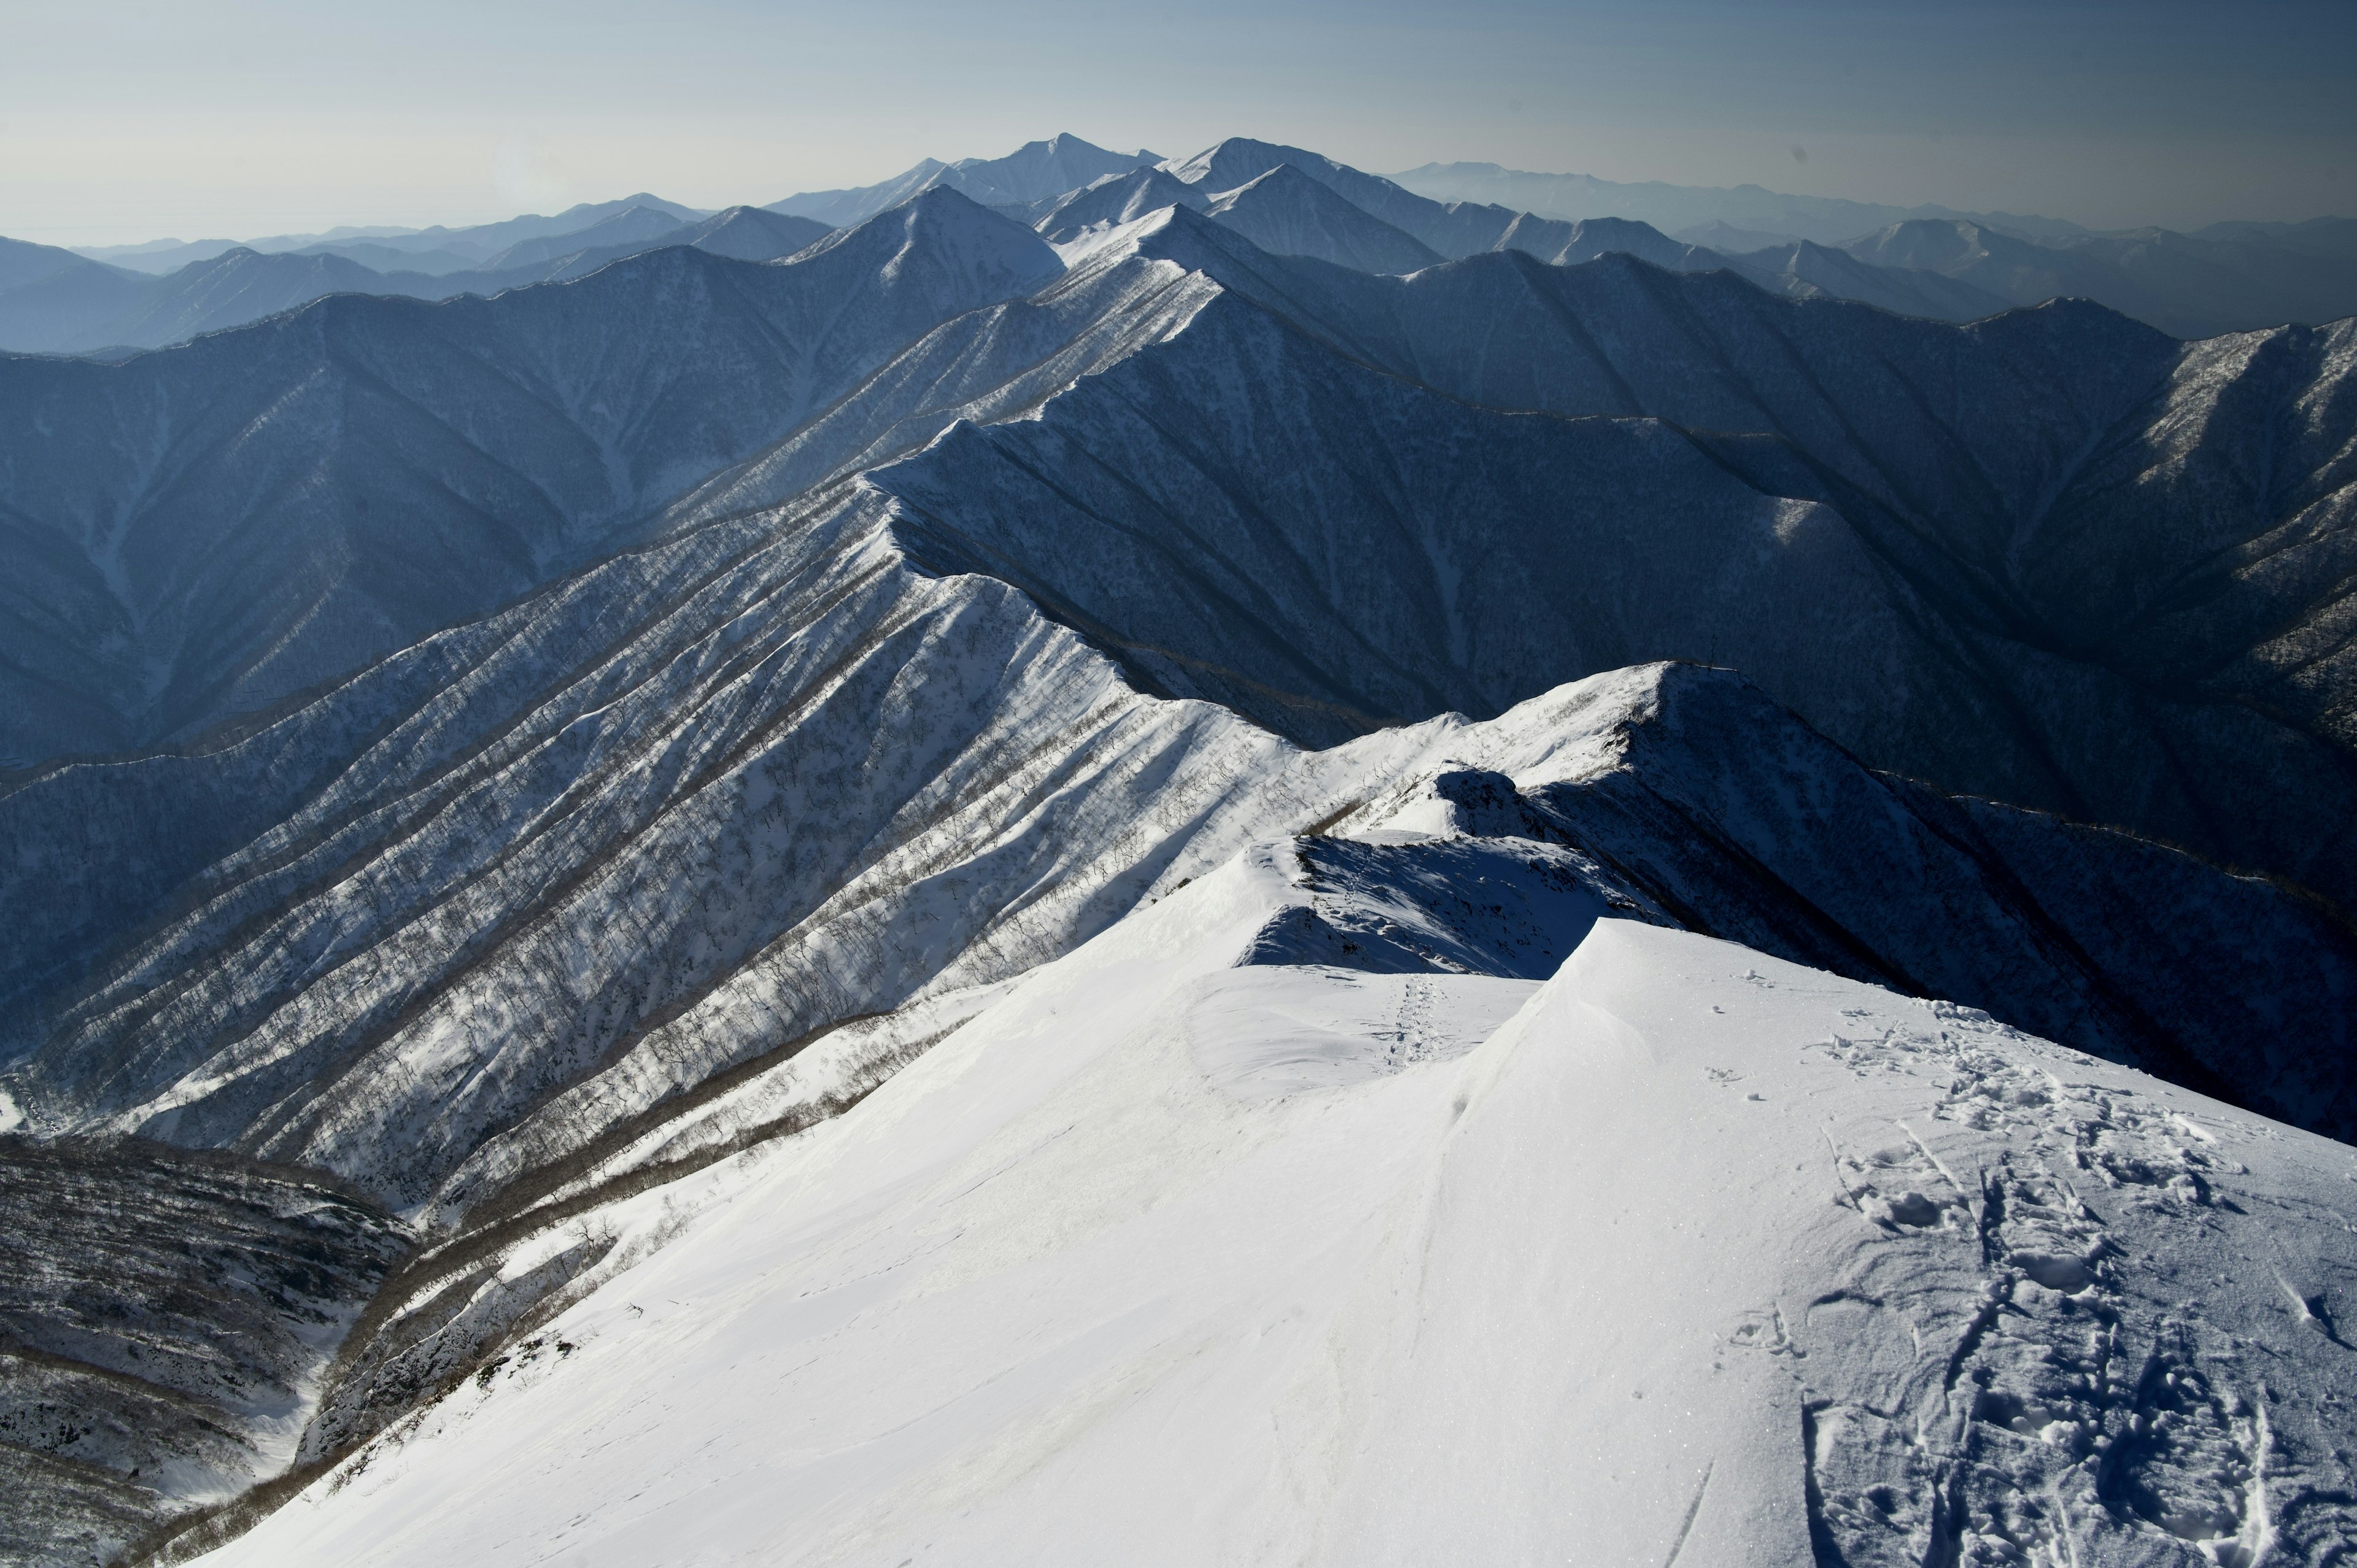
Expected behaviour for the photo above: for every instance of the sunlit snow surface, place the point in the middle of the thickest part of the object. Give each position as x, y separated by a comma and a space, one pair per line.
1686, 1255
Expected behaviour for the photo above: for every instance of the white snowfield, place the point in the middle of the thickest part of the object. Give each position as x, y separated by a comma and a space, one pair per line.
1685, 1256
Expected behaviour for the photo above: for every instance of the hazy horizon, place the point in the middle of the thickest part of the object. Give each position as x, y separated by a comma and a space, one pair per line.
259, 118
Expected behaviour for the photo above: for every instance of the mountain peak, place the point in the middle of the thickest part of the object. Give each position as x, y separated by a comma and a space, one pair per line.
1289, 213
943, 228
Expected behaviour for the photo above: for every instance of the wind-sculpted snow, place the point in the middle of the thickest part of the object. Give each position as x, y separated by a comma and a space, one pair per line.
208, 529
1160, 1258
166, 1319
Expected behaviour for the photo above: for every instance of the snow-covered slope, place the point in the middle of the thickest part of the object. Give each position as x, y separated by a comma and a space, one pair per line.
1107, 203
1684, 1254
1287, 213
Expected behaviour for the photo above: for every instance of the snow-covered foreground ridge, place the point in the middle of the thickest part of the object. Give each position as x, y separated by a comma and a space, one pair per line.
1685, 1255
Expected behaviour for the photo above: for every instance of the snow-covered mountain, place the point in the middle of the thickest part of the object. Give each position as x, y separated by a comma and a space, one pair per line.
212, 529
1286, 212
1185, 1250
2033, 632
1467, 229
1036, 171
1032, 835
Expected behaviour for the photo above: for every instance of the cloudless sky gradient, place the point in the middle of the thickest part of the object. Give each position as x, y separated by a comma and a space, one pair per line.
138, 119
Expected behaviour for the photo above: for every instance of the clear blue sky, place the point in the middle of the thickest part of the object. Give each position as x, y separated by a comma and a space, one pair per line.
135, 119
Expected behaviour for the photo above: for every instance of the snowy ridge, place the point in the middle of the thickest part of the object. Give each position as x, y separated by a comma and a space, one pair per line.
1266, 1225
873, 788
1902, 645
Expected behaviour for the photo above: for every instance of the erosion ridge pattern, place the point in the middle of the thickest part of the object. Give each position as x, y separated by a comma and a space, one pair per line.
698, 695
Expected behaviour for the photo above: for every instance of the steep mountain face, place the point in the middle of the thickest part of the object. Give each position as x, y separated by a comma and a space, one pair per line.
1734, 819
1111, 201
1279, 210
209, 530
1036, 171
1949, 509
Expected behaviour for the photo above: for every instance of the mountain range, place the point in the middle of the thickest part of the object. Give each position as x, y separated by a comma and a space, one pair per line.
1919, 262
2228, 277
881, 822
